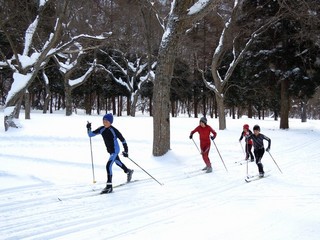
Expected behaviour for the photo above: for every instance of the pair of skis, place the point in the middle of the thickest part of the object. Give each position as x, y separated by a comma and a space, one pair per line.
256, 177
242, 162
94, 192
251, 178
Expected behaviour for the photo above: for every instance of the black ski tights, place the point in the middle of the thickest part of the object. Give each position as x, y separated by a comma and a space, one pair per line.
258, 153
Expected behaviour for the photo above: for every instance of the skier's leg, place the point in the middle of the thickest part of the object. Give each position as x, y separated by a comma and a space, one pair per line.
206, 159
247, 151
121, 164
110, 162
128, 171
108, 188
250, 152
258, 161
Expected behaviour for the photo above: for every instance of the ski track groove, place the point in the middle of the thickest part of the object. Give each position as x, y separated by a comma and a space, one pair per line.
47, 209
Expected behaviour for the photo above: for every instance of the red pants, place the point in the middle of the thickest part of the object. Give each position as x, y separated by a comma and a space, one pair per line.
205, 148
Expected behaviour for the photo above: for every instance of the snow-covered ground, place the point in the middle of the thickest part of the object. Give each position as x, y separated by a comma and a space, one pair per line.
47, 189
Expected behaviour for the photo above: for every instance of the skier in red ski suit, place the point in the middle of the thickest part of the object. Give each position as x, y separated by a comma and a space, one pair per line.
247, 132
204, 131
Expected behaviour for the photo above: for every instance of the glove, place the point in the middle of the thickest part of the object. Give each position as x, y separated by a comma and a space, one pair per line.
212, 137
89, 126
125, 154
190, 136
125, 147
268, 149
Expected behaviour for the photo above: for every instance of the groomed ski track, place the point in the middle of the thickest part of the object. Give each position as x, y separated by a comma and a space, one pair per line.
44, 211
47, 192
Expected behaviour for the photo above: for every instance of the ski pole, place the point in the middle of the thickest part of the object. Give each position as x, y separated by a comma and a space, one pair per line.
145, 171
93, 178
274, 161
247, 167
242, 148
196, 145
220, 156
246, 154
92, 166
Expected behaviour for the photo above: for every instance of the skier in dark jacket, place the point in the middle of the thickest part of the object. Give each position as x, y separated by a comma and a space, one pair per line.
247, 132
110, 135
258, 138
204, 131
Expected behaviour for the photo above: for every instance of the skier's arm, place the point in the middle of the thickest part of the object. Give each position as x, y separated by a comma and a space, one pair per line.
241, 136
193, 131
269, 142
88, 126
214, 133
125, 147
91, 134
123, 141
95, 132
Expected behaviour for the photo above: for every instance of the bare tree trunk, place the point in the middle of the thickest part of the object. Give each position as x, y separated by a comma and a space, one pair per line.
133, 105
150, 107
67, 91
233, 112
113, 103
195, 105
285, 104
98, 104
51, 105
161, 89
276, 115
27, 105
179, 20
87, 100
221, 114
161, 101
303, 110
129, 107
47, 99
119, 106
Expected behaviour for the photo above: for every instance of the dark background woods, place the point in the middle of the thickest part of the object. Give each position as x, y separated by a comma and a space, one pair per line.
279, 70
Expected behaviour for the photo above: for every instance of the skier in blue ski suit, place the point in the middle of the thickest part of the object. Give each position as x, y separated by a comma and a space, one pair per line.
110, 135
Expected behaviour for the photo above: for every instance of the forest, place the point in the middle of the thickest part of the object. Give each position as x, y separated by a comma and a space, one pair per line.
164, 58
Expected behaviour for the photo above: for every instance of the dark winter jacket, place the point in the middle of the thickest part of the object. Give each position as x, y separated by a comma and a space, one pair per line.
110, 136
245, 134
258, 140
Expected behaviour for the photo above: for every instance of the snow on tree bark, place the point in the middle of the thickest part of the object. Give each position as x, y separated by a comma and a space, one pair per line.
180, 18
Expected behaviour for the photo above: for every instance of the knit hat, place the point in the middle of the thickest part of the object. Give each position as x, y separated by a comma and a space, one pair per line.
204, 120
246, 126
108, 117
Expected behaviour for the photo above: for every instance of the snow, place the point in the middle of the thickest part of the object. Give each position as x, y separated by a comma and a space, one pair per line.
20, 81
198, 6
47, 189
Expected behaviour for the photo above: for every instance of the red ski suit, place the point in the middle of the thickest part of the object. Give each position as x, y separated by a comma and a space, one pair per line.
205, 143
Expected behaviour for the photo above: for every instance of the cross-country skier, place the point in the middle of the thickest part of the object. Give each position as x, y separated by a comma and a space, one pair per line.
204, 131
110, 135
258, 138
246, 132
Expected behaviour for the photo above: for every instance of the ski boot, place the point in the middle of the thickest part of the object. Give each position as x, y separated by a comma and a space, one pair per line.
205, 168
107, 189
129, 175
